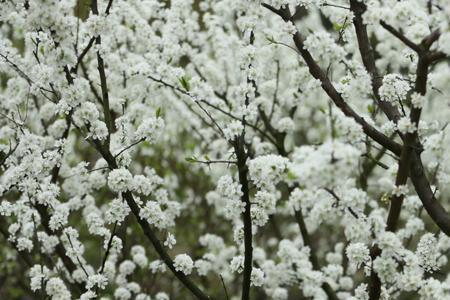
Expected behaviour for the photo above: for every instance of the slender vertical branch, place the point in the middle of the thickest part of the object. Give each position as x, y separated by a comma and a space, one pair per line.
368, 57
410, 146
411, 143
241, 155
103, 81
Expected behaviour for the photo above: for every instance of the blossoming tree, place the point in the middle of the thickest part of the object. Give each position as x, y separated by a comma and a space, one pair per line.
224, 149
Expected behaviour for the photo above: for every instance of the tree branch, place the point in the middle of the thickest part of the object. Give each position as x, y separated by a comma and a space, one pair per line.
239, 148
328, 87
401, 37
103, 82
368, 58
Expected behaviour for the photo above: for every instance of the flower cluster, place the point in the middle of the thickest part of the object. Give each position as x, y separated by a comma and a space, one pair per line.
149, 129
183, 263
267, 139
394, 88
267, 170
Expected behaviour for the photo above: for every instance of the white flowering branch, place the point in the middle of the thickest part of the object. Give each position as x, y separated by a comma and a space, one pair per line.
328, 87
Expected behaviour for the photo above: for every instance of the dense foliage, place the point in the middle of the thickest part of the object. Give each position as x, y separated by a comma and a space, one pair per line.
224, 149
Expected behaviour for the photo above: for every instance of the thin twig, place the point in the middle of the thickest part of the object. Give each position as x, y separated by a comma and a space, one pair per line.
224, 287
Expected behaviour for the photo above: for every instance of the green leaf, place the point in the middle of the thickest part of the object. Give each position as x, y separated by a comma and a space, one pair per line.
271, 39
184, 81
345, 80
191, 159
191, 146
291, 175
371, 108
339, 27
385, 198
158, 112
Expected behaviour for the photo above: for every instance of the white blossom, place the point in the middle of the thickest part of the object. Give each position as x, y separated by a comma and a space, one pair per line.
120, 180
418, 100
267, 170
400, 190
237, 264
394, 88
149, 129
301, 124
117, 212
257, 277
358, 254
233, 129
428, 252
56, 289
38, 275
170, 241
97, 280
122, 293
404, 125
183, 263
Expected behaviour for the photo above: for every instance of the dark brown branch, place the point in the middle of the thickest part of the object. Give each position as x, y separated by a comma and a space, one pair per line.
17, 69
83, 54
224, 287
160, 250
430, 39
328, 87
410, 142
422, 186
108, 249
148, 232
338, 199
410, 163
91, 84
404, 163
401, 37
368, 58
241, 155
436, 56
108, 7
103, 82
196, 101
418, 177
239, 148
128, 147
8, 154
